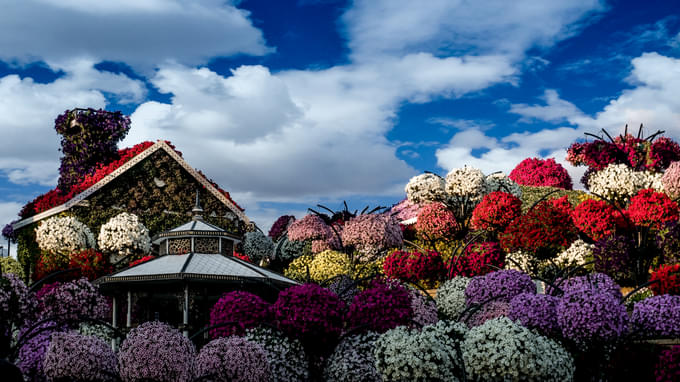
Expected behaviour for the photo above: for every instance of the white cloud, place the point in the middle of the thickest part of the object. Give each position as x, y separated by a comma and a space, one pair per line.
27, 111
377, 27
143, 34
556, 110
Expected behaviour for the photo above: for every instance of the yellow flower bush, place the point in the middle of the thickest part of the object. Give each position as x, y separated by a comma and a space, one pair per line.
297, 269
9, 265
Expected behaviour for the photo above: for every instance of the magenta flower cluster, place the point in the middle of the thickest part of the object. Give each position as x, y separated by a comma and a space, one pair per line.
588, 316
381, 307
667, 368
75, 357
501, 285
72, 301
155, 351
280, 226
541, 172
233, 359
536, 311
245, 310
310, 313
657, 316
372, 232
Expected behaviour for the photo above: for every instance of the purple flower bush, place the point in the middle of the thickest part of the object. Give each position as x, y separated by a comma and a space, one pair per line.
353, 360
280, 226
245, 309
17, 303
668, 366
424, 310
587, 316
536, 311
155, 351
372, 233
233, 359
286, 356
486, 312
612, 256
32, 353
310, 313
598, 282
502, 285
72, 356
9, 233
657, 316
381, 307
72, 301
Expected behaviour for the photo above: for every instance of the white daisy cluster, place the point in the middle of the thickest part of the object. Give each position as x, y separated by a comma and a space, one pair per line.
451, 297
575, 255
123, 235
620, 182
498, 181
403, 354
501, 350
520, 261
426, 188
63, 235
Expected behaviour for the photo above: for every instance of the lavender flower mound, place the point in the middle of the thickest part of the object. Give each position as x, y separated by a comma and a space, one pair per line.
345, 287
536, 311
72, 356
233, 359
244, 309
612, 255
32, 353
286, 357
424, 309
353, 360
310, 313
501, 285
501, 350
591, 317
657, 316
450, 297
429, 354
486, 312
155, 351
599, 282
17, 303
257, 246
311, 227
280, 226
73, 301
380, 308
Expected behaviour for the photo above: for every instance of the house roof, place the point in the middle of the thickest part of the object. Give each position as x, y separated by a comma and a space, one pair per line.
159, 145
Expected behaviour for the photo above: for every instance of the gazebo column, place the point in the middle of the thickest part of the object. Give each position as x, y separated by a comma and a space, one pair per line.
128, 321
186, 310
114, 320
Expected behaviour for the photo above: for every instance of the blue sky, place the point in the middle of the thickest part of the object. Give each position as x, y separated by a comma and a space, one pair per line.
287, 104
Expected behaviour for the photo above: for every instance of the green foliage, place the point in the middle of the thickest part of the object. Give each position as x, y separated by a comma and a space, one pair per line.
28, 251
9, 265
531, 194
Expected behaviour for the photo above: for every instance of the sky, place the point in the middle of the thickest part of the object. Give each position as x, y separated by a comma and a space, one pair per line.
287, 104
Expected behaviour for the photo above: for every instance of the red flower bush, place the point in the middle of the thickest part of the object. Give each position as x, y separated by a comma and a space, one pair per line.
92, 264
142, 260
436, 222
414, 266
597, 218
541, 172
396, 265
543, 231
48, 263
669, 280
242, 257
496, 211
380, 308
244, 309
652, 209
477, 258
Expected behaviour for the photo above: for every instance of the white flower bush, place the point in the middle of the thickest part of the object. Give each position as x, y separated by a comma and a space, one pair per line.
618, 182
403, 354
124, 235
426, 188
575, 255
353, 360
450, 297
501, 350
465, 183
257, 246
63, 235
286, 356
498, 181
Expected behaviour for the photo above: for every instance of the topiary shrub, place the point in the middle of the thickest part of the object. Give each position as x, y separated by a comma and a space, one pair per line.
245, 310
286, 357
496, 211
353, 360
541, 172
436, 222
501, 285
233, 359
74, 357
381, 307
72, 301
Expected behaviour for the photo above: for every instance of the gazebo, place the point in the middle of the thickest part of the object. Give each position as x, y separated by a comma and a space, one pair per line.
195, 266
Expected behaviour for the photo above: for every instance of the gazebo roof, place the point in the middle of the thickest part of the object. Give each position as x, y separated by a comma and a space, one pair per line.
196, 227
194, 267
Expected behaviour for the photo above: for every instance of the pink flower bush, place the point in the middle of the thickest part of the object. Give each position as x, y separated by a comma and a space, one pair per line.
405, 210
311, 227
671, 180
541, 172
436, 222
75, 357
233, 359
372, 233
155, 351
245, 309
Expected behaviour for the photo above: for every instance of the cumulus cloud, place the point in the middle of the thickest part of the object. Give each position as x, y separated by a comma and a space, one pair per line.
27, 111
652, 102
143, 34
